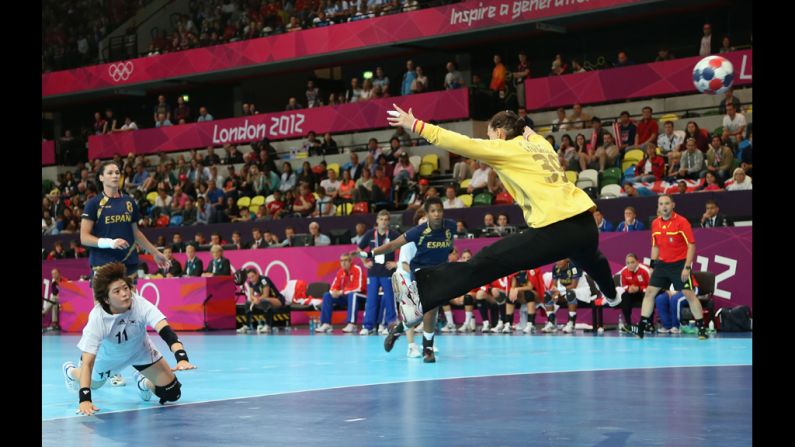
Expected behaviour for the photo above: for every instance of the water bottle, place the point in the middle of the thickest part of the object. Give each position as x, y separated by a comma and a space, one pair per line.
311, 326
620, 321
711, 326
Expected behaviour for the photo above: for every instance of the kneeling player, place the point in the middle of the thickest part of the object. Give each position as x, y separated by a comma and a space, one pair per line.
115, 338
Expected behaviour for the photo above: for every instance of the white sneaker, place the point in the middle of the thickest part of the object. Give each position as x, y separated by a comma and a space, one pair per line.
486, 326
242, 329
497, 328
414, 351
449, 327
663, 330
519, 327
622, 328
569, 328
71, 384
674, 330
472, 325
264, 329
143, 389
118, 380
506, 329
365, 331
325, 327
550, 327
529, 329
466, 327
383, 330
600, 330
349, 328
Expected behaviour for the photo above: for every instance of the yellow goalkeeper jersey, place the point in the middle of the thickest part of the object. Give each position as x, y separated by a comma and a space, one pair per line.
529, 170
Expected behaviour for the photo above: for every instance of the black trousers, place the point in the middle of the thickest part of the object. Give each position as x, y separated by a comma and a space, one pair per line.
576, 238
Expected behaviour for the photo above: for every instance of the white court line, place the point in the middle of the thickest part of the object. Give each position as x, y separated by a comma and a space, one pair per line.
172, 405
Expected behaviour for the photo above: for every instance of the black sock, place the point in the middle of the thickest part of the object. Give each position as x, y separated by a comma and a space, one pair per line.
627, 314
531, 318
551, 317
503, 310
700, 323
427, 344
495, 314
484, 310
508, 319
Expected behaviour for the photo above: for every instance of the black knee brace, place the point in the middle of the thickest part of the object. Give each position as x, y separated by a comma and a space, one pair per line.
468, 300
170, 392
548, 301
571, 297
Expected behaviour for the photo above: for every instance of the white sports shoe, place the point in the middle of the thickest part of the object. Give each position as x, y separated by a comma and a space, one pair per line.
486, 326
663, 330
325, 327
549, 327
242, 329
569, 328
529, 329
365, 331
414, 351
349, 328
519, 327
675, 330
472, 324
449, 327
118, 380
71, 384
498, 327
466, 327
383, 330
143, 389
264, 329
600, 330
507, 329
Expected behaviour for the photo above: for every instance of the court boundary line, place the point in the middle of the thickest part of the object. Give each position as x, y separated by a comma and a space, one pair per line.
175, 405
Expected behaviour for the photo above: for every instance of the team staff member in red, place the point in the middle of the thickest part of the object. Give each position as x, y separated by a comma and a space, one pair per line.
348, 286
634, 279
673, 249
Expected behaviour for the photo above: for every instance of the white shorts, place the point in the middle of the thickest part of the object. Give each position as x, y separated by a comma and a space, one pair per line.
106, 366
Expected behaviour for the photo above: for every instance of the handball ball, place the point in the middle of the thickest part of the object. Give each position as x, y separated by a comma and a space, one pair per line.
713, 75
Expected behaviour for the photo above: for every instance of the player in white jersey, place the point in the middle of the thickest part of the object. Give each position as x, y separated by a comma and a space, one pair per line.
115, 338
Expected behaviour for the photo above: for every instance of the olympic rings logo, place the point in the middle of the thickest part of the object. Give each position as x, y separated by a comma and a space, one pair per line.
157, 292
121, 71
268, 269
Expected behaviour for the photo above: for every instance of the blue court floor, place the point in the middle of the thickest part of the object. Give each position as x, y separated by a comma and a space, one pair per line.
493, 390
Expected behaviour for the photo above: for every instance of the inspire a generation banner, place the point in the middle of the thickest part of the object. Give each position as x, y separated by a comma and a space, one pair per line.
380, 31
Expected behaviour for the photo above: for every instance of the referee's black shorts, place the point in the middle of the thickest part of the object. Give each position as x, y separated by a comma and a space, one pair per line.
667, 273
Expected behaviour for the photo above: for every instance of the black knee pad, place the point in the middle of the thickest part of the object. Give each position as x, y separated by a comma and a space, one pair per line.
501, 298
548, 301
170, 392
468, 300
571, 297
